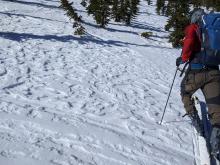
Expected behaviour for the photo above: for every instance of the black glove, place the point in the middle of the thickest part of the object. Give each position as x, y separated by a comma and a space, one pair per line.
179, 61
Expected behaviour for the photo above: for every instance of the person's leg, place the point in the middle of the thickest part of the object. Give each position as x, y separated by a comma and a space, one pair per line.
188, 88
211, 91
190, 84
215, 140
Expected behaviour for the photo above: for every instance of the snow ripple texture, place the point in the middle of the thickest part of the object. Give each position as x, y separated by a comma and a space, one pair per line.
92, 100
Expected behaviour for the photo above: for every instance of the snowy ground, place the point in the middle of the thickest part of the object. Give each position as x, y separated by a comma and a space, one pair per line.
94, 100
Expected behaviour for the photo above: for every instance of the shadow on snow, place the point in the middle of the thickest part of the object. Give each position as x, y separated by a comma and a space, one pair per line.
109, 29
32, 3
25, 15
138, 25
19, 37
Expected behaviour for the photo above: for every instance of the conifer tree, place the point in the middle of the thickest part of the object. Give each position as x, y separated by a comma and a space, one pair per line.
130, 10
197, 3
149, 2
127, 12
178, 20
217, 6
100, 9
170, 8
84, 3
134, 7
160, 7
213, 4
71, 13
116, 10
178, 13
124, 10
119, 10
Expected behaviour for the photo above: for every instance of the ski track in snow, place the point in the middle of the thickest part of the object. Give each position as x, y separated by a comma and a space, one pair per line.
94, 100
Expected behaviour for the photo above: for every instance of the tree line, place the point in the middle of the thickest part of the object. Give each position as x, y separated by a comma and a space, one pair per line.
124, 11
103, 11
178, 13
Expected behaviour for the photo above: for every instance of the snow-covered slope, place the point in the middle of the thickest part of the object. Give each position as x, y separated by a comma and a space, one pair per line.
93, 100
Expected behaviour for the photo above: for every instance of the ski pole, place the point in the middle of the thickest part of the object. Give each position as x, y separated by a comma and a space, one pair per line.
169, 96
183, 70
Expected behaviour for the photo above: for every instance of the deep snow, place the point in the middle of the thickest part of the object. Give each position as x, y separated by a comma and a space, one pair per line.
92, 100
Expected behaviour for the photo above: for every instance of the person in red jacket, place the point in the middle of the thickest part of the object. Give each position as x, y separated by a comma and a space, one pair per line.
200, 76
192, 42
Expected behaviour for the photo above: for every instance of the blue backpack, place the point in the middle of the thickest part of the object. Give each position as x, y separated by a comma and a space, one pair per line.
210, 37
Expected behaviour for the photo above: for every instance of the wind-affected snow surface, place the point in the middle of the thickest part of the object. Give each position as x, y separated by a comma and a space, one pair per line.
92, 100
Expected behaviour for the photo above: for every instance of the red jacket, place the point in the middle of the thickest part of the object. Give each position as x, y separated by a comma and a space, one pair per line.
192, 43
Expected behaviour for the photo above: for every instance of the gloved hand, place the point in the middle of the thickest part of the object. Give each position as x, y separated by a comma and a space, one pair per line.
179, 61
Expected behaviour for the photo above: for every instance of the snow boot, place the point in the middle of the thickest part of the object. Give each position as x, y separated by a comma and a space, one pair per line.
215, 141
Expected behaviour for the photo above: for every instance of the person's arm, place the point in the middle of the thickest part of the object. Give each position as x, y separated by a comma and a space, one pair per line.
189, 43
